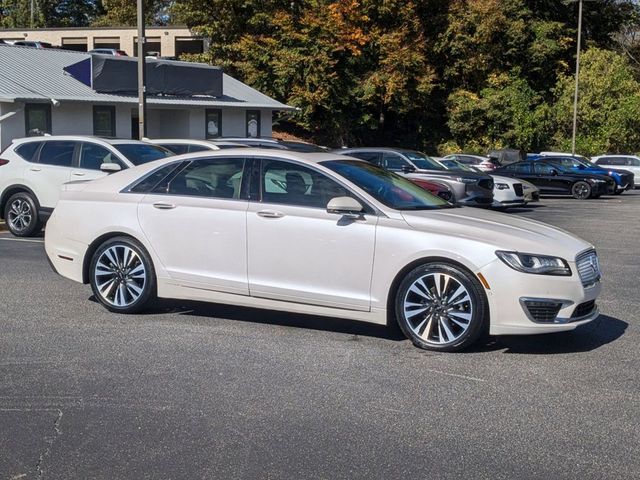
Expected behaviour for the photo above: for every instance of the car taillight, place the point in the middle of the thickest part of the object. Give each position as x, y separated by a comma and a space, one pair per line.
3, 162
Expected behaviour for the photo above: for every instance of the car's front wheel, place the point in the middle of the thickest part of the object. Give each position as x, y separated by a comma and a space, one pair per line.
441, 306
122, 276
21, 214
581, 190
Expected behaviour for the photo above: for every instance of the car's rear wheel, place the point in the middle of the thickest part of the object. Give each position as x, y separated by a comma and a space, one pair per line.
581, 190
122, 276
21, 214
440, 306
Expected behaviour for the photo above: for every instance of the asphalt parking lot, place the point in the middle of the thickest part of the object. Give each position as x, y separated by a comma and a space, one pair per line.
192, 390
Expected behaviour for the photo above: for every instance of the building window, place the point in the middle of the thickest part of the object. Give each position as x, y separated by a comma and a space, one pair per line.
37, 118
253, 123
104, 121
213, 127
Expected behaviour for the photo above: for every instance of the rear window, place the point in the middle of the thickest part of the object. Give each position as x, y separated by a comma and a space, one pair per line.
139, 153
27, 150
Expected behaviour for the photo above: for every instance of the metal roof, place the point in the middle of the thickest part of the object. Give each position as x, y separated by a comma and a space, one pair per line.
30, 74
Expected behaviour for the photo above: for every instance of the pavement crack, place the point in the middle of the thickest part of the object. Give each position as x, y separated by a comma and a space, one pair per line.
49, 441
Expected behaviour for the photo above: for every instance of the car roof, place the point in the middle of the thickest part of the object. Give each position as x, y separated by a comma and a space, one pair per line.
79, 138
193, 141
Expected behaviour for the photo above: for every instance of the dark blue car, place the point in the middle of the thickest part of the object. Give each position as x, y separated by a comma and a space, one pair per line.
579, 164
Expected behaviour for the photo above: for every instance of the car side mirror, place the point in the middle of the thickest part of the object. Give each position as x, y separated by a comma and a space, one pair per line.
346, 206
110, 167
408, 168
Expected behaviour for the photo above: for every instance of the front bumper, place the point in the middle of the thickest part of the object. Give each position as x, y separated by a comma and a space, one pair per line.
510, 289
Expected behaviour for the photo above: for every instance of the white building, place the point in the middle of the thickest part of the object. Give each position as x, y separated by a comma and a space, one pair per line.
36, 94
166, 41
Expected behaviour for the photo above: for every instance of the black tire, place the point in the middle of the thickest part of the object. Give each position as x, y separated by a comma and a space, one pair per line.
581, 190
444, 314
124, 276
21, 215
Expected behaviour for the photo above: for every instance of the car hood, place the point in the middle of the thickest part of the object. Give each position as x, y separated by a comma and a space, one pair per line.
507, 180
454, 174
498, 230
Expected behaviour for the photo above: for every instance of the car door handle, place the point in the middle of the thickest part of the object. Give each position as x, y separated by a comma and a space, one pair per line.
270, 214
34, 169
78, 174
164, 206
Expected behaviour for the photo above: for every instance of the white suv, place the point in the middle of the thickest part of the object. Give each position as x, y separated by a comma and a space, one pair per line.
33, 170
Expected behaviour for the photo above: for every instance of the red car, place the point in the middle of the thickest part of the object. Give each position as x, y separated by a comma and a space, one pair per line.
438, 189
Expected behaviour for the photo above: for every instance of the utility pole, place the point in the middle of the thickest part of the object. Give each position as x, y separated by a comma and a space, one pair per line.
31, 15
575, 96
142, 95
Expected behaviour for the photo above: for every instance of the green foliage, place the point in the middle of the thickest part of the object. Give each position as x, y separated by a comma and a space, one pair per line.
608, 107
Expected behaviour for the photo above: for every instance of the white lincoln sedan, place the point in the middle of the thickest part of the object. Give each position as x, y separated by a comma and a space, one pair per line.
320, 234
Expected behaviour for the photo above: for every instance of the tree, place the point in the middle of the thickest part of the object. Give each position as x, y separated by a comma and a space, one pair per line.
125, 13
608, 107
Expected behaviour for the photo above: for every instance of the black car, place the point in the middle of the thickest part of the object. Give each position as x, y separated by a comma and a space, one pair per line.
553, 179
469, 188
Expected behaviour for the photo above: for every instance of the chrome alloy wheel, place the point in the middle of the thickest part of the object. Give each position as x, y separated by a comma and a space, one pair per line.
120, 275
19, 215
438, 308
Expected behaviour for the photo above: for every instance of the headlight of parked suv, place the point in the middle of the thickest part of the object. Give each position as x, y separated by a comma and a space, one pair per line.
537, 264
502, 186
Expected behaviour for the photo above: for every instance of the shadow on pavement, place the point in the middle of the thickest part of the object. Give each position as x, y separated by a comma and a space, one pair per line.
586, 338
273, 317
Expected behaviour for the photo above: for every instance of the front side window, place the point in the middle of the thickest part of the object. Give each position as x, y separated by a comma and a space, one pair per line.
544, 168
37, 119
58, 153
292, 184
421, 161
523, 167
92, 156
253, 123
104, 121
211, 177
213, 123
393, 161
387, 187
139, 153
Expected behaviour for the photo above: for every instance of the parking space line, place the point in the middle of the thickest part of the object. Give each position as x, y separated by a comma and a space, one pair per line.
21, 240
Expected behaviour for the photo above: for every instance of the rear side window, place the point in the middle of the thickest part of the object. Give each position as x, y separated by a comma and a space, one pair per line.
176, 148
197, 148
28, 150
58, 153
524, 167
372, 157
215, 178
148, 183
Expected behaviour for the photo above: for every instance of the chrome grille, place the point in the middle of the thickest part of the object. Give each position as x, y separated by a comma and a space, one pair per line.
588, 267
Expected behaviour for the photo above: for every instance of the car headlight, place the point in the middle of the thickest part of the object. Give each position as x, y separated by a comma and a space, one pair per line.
502, 186
537, 264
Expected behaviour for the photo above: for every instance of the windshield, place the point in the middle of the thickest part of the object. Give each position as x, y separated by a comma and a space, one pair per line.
422, 162
139, 153
387, 187
455, 165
